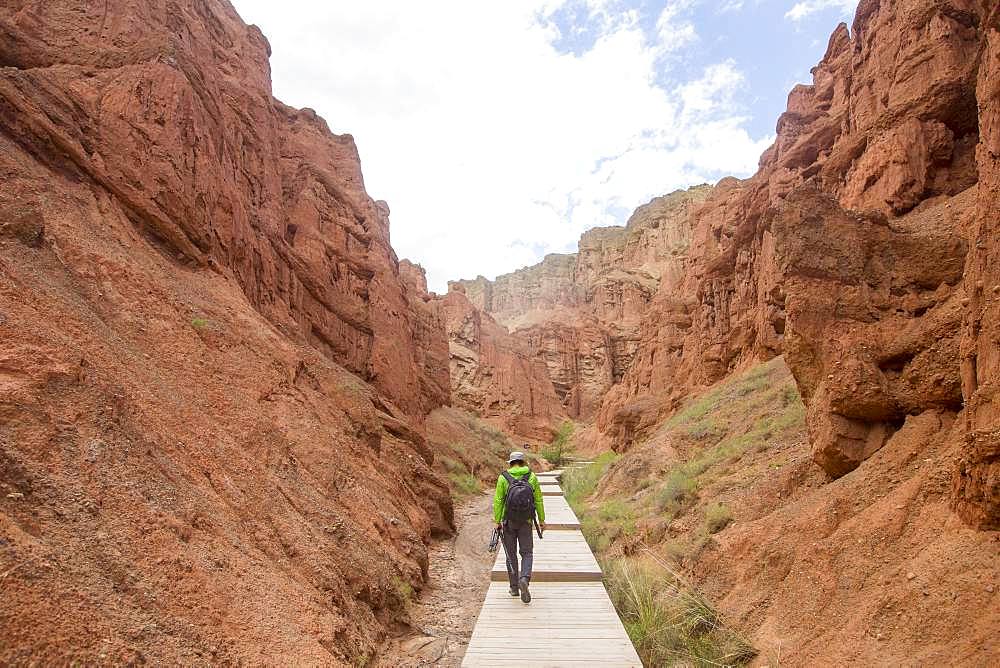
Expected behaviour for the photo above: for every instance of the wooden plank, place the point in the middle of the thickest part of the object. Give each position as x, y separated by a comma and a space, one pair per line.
568, 575
566, 624
567, 536
570, 620
494, 662
558, 514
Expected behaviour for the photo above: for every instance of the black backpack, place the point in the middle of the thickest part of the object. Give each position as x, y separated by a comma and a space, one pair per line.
519, 506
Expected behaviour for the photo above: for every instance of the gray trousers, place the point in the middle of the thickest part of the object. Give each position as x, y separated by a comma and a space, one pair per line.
518, 539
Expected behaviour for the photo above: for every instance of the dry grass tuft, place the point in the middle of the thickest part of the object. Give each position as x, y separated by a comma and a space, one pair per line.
668, 620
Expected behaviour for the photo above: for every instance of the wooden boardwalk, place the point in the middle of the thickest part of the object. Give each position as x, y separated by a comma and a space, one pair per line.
558, 514
570, 620
549, 487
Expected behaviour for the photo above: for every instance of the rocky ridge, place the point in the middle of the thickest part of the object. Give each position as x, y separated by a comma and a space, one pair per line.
581, 313
495, 374
847, 251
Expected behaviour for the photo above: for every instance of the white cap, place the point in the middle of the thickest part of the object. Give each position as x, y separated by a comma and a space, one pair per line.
515, 457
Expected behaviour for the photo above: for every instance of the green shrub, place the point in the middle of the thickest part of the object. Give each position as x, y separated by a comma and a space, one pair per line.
676, 550
611, 520
465, 484
452, 465
790, 395
199, 323
612, 511
717, 517
557, 452
595, 533
705, 430
678, 490
402, 589
617, 518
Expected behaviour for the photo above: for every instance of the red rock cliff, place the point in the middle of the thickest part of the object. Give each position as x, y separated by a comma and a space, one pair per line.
976, 481
849, 252
495, 374
581, 313
195, 291
170, 114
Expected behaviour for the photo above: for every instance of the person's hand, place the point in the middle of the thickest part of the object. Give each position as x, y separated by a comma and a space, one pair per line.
542, 526
499, 525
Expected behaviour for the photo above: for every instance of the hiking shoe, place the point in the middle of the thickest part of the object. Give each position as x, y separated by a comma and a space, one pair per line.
525, 594
514, 591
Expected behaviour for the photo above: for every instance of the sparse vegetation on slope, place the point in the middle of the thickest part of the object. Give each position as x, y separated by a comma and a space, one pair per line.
579, 483
470, 451
721, 442
651, 516
462, 482
668, 620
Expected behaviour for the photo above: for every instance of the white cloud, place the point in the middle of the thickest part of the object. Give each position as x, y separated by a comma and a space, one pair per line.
490, 146
674, 29
807, 7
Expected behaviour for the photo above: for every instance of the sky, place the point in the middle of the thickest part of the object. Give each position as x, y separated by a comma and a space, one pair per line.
499, 131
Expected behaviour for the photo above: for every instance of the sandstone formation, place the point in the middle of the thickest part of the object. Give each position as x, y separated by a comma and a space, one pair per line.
872, 568
864, 251
861, 251
847, 251
170, 114
495, 374
213, 371
976, 480
581, 313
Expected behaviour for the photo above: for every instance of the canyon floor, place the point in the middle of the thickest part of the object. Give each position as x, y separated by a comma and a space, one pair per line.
445, 612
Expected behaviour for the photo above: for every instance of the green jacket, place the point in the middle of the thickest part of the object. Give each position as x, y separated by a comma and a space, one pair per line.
501, 494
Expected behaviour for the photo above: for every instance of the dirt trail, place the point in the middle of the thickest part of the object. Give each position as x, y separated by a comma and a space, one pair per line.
445, 612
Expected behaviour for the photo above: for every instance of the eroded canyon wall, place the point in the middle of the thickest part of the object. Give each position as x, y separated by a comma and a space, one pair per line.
495, 374
213, 370
862, 251
976, 481
846, 251
170, 114
581, 313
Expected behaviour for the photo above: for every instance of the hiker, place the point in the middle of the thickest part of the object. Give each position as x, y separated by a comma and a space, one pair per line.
517, 501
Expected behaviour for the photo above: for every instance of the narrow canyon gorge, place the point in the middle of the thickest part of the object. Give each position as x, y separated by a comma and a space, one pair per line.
233, 423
